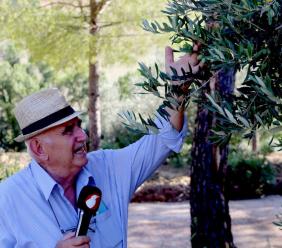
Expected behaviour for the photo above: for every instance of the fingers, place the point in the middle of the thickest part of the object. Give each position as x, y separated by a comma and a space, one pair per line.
69, 241
81, 240
69, 235
196, 46
83, 246
184, 63
169, 55
193, 59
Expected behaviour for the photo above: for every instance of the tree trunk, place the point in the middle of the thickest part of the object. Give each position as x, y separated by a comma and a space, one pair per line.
93, 87
210, 219
255, 142
94, 107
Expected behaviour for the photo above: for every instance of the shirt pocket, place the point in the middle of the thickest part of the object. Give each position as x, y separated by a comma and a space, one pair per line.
108, 232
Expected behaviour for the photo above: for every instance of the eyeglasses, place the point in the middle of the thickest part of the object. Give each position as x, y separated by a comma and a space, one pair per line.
92, 225
73, 229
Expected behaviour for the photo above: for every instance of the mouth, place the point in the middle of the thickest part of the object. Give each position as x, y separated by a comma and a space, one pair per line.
80, 150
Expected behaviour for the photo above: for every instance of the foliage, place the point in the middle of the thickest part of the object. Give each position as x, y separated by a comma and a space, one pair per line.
120, 38
178, 160
59, 33
119, 138
12, 162
278, 144
265, 149
19, 77
124, 86
248, 176
42, 31
239, 34
5, 172
78, 35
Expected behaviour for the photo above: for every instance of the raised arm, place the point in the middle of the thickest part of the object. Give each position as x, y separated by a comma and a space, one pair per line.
177, 116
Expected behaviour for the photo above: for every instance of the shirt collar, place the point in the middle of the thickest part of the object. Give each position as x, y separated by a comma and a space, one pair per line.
83, 178
46, 183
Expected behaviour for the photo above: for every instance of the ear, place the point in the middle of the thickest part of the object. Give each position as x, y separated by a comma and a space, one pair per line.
37, 148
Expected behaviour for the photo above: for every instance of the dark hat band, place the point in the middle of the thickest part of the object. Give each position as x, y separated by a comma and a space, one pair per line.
48, 120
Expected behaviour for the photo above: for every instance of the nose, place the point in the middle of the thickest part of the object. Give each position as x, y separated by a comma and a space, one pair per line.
81, 136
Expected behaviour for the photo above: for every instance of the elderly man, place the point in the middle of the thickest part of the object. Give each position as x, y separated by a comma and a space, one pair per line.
39, 204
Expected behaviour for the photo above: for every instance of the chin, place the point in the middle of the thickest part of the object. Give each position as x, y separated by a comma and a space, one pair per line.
83, 162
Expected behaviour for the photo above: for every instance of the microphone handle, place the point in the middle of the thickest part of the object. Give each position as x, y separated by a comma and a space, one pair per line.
83, 223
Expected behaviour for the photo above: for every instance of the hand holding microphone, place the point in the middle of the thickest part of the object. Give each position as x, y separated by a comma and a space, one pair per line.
69, 240
88, 203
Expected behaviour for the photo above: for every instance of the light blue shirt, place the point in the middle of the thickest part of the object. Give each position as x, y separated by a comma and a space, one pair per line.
28, 197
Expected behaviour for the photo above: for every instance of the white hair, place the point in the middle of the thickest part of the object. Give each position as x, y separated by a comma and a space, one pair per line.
43, 138
27, 144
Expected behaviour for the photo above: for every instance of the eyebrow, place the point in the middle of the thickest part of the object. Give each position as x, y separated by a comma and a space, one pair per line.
79, 121
69, 127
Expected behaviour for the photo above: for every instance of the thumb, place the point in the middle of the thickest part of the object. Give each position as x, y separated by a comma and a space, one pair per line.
69, 235
169, 55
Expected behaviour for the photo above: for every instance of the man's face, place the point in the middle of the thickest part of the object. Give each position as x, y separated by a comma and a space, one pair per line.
66, 148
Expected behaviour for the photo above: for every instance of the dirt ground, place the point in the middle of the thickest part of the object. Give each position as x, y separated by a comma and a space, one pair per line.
166, 225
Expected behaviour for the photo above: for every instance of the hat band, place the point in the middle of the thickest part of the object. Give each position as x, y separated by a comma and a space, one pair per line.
48, 120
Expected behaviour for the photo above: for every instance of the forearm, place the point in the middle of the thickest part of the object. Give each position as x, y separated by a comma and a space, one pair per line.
176, 118
188, 63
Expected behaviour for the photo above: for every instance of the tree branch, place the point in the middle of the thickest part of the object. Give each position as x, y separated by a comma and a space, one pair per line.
110, 24
100, 5
82, 10
113, 23
123, 36
65, 4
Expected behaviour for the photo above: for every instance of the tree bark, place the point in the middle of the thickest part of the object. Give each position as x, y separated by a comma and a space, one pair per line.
93, 81
94, 107
210, 219
255, 142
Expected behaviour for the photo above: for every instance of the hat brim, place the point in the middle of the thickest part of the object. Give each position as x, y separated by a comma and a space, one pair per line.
22, 137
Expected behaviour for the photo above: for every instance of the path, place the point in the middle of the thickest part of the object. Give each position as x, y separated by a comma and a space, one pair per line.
166, 225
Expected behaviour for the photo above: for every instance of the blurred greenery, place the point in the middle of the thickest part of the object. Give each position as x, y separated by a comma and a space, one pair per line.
6, 171
59, 33
20, 77
119, 138
248, 175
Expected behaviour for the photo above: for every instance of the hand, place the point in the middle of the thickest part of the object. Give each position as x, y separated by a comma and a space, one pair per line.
69, 240
189, 63
186, 63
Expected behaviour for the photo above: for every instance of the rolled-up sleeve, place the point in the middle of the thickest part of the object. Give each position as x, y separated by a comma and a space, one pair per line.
136, 162
170, 136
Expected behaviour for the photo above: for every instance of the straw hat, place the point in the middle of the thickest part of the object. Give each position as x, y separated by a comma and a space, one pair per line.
41, 111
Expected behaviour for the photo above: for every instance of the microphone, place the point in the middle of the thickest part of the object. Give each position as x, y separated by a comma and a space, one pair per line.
88, 202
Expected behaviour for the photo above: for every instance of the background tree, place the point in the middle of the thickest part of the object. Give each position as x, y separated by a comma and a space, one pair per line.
234, 35
210, 218
17, 76
21, 77
76, 33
